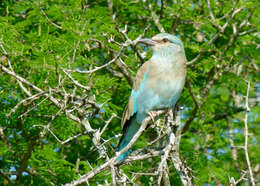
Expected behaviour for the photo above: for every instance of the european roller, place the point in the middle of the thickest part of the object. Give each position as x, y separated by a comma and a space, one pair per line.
158, 84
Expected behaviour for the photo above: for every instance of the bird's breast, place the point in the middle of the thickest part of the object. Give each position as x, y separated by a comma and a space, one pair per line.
167, 87
166, 82
160, 87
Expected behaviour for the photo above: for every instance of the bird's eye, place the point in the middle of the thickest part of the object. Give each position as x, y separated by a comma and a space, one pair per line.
165, 40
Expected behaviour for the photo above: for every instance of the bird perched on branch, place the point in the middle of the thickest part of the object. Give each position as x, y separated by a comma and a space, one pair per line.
158, 84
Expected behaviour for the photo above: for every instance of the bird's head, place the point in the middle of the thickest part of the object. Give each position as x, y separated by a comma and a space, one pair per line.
164, 44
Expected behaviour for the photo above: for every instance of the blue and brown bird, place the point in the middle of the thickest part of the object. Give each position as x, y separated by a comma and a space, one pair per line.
158, 84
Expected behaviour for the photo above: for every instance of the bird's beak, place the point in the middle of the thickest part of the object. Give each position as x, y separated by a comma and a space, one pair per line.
147, 41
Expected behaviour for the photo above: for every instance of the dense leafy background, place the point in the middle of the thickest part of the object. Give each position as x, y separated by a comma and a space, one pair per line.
40, 38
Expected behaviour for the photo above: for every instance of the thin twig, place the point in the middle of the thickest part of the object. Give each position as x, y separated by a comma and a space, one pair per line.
156, 18
246, 136
100, 67
54, 24
75, 81
32, 98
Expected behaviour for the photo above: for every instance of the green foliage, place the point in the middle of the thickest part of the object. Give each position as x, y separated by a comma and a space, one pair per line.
42, 38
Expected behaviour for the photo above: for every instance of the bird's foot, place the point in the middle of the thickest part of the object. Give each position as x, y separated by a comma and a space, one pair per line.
152, 114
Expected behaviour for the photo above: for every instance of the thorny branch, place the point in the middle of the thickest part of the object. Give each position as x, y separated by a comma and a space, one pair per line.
215, 73
112, 161
80, 108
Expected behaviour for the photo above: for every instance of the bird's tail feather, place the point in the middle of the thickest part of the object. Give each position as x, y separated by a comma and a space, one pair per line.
130, 129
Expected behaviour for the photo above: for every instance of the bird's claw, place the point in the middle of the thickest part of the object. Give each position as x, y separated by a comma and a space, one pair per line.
152, 115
